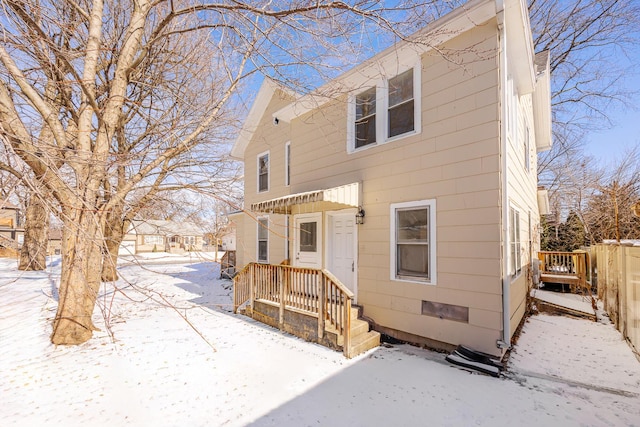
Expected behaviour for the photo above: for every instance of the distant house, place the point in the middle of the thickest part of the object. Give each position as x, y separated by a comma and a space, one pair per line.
164, 236
54, 246
11, 230
411, 179
228, 237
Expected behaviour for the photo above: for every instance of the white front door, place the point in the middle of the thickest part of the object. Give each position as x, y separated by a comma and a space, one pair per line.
307, 240
341, 253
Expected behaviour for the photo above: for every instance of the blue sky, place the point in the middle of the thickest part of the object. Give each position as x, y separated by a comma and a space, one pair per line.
625, 131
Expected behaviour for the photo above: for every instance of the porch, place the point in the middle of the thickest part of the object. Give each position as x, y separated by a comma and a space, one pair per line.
565, 268
306, 302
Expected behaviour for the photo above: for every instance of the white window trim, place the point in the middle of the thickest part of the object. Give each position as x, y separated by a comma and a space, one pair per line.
431, 203
258, 172
382, 110
287, 164
258, 226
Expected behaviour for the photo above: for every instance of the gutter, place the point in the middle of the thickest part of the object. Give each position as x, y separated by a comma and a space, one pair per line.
505, 342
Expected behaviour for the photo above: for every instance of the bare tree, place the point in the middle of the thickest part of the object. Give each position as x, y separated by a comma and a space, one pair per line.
109, 102
588, 40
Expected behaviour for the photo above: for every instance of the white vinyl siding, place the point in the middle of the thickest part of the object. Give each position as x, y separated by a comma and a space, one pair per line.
413, 229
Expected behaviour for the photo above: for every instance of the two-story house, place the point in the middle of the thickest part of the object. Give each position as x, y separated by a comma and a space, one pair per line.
410, 179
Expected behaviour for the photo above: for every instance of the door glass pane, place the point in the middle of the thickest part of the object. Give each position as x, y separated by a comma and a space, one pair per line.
308, 236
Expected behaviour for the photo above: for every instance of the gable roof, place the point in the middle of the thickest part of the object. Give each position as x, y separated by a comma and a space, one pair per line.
263, 97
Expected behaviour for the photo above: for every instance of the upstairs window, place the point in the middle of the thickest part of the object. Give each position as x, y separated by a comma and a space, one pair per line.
365, 125
287, 164
263, 172
401, 105
385, 112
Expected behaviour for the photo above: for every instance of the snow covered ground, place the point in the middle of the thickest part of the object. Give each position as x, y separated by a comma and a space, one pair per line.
171, 353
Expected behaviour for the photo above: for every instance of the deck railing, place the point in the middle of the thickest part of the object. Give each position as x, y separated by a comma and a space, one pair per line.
565, 268
310, 290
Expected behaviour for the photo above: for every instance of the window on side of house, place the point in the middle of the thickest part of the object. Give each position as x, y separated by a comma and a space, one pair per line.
153, 240
365, 118
287, 164
413, 256
401, 117
263, 239
527, 150
263, 172
514, 242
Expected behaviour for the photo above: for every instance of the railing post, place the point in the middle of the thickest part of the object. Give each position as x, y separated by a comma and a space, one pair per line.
321, 306
347, 328
252, 284
280, 273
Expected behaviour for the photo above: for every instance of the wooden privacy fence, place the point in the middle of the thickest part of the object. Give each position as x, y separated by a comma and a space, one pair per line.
618, 272
565, 268
314, 291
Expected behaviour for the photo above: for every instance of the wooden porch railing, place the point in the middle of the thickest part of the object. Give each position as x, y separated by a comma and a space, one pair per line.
311, 290
569, 268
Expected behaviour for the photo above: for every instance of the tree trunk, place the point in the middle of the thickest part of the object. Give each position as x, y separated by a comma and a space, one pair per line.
82, 246
33, 254
114, 231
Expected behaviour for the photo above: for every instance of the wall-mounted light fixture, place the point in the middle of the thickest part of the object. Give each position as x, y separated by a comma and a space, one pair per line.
360, 215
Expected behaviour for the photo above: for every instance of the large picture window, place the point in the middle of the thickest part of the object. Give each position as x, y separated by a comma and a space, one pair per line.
401, 106
263, 239
413, 241
263, 172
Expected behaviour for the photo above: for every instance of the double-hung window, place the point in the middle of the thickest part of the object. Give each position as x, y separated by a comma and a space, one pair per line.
287, 164
385, 112
413, 256
263, 239
401, 117
515, 245
263, 172
365, 125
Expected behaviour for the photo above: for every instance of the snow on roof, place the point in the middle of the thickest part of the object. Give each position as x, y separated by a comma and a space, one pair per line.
165, 227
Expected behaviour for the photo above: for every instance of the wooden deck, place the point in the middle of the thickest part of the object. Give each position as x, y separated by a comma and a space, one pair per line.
565, 268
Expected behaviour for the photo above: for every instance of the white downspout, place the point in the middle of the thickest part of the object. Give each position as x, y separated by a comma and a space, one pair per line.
505, 343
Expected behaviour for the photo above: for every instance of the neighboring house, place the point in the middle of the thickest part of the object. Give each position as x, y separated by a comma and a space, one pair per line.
434, 152
164, 236
228, 237
11, 231
54, 246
